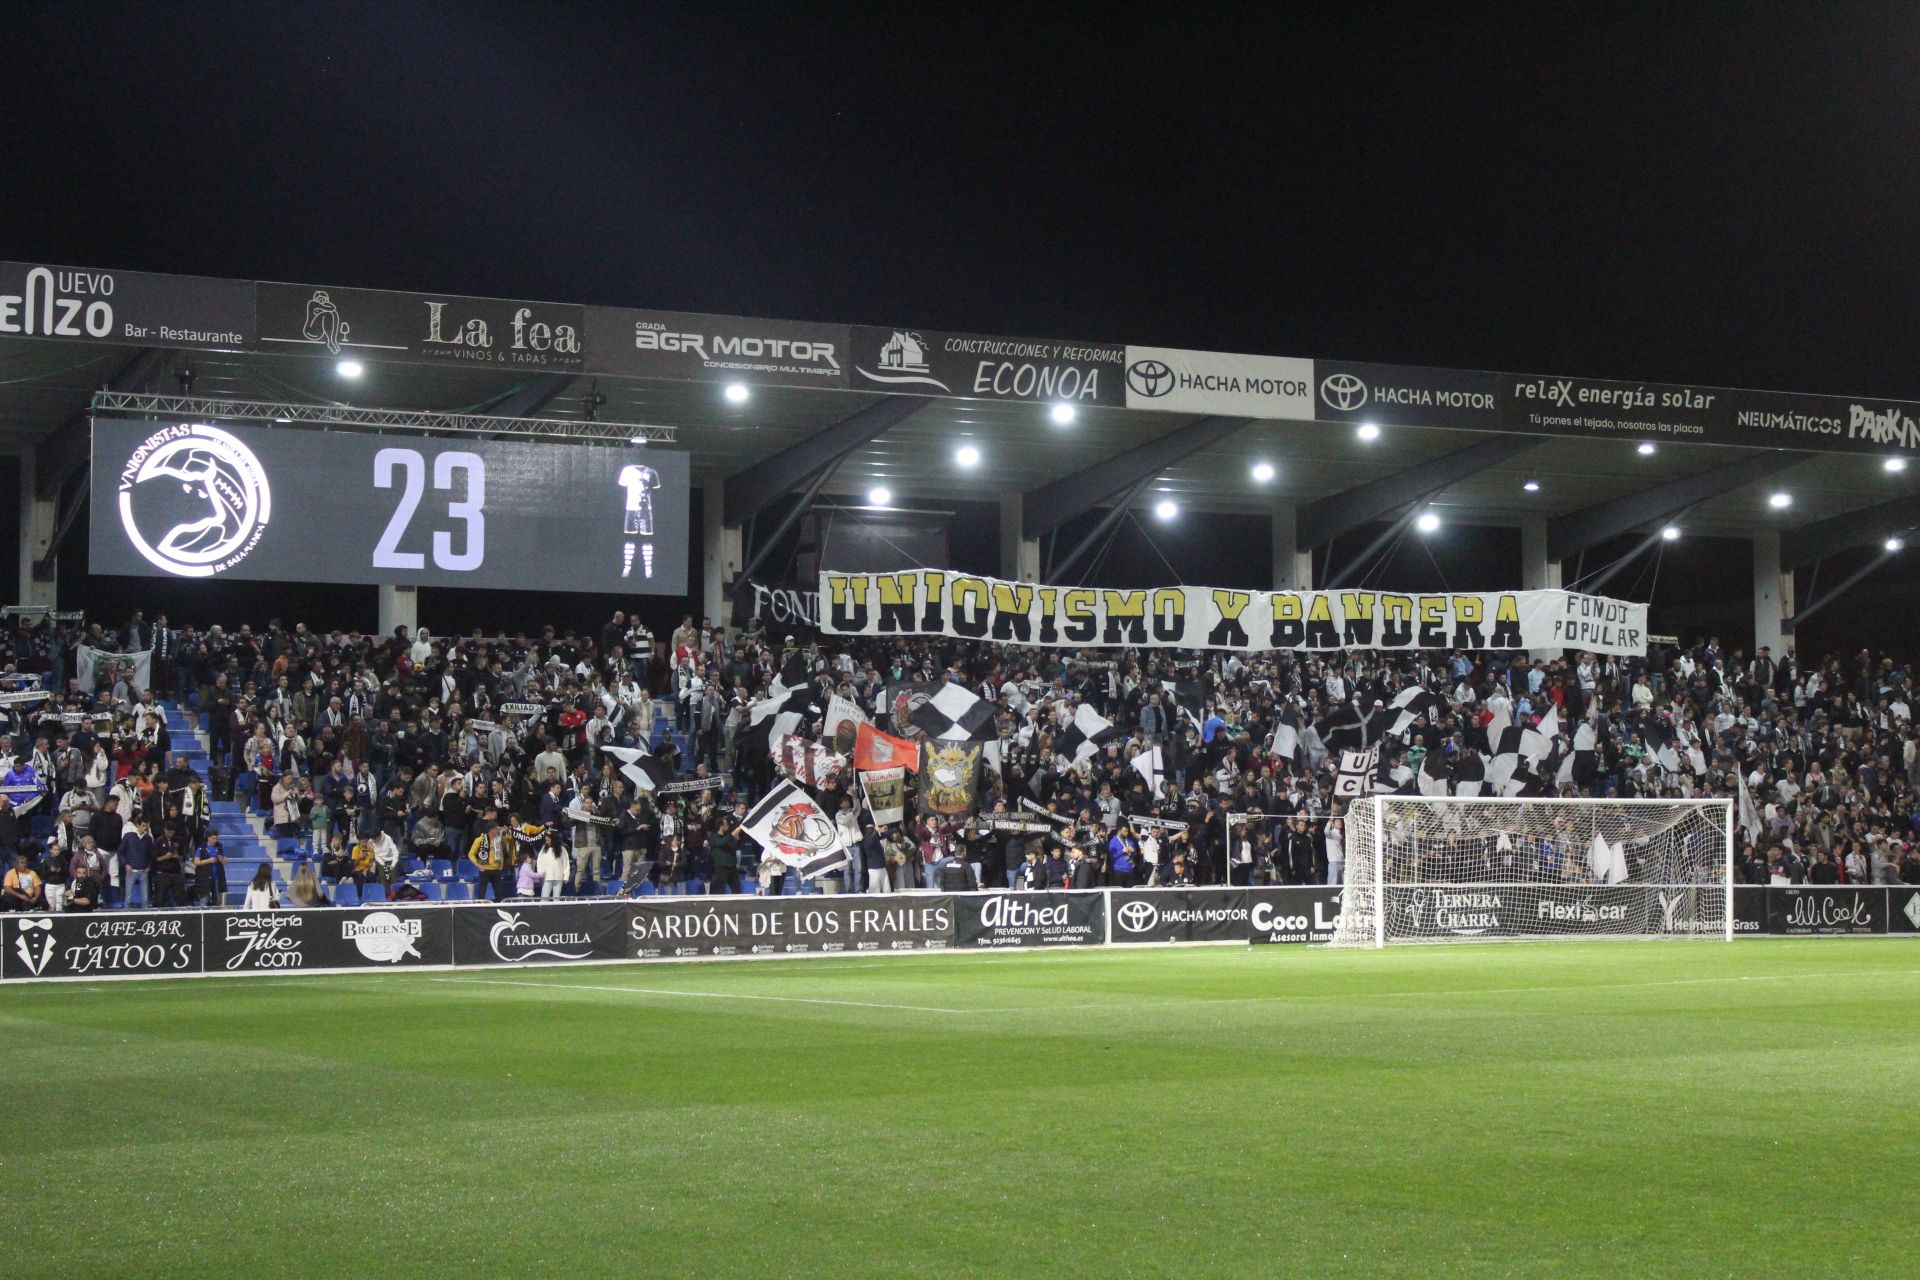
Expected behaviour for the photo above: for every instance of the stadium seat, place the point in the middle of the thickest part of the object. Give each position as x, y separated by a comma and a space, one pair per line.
373, 891
345, 895
458, 891
435, 891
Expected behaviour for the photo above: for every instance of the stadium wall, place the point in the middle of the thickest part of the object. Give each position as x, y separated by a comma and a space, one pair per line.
161, 944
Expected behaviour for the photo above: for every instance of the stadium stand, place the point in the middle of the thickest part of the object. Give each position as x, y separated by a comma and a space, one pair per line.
364, 768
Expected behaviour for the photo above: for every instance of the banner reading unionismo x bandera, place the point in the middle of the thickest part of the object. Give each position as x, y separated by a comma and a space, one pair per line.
934, 602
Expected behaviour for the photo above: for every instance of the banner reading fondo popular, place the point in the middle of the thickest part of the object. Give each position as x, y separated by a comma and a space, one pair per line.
968, 607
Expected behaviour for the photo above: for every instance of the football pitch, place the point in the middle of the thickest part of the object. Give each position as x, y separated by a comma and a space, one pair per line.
1677, 1109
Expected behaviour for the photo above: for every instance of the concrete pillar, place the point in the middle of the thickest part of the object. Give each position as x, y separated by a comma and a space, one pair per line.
1772, 595
37, 518
399, 607
1292, 566
715, 568
1019, 557
1537, 573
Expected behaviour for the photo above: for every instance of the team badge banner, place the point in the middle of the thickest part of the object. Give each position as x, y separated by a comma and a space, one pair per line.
949, 778
944, 603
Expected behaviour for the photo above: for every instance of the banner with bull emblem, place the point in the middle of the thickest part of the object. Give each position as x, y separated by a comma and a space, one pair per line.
792, 827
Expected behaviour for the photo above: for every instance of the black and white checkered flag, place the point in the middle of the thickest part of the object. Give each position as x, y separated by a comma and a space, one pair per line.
1410, 704
954, 714
1086, 734
640, 767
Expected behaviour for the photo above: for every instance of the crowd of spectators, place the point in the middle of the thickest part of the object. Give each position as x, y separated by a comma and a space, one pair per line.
375, 755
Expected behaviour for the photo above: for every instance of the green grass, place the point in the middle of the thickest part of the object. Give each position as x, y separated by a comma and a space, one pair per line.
1695, 1109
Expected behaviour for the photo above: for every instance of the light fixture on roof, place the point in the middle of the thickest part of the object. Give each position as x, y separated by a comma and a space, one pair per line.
1671, 533
350, 368
967, 456
1166, 508
1895, 464
1368, 431
283, 418
737, 393
1531, 486
636, 439
1780, 500
1062, 414
1427, 523
879, 495
1645, 449
1894, 544
1263, 471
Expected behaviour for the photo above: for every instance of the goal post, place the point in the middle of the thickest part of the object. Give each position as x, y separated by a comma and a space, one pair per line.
1459, 869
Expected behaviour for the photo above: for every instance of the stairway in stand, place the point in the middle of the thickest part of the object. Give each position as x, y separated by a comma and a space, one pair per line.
243, 834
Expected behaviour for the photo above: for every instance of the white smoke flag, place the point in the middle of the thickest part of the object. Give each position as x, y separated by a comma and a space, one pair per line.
1608, 860
1151, 766
1749, 814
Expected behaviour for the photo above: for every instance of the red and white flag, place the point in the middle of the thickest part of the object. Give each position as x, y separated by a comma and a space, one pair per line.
873, 749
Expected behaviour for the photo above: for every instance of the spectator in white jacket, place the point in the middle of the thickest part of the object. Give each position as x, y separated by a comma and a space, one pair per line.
260, 890
555, 866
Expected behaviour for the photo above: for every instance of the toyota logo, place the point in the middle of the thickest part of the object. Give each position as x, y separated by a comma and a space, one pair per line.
1137, 916
1149, 378
1343, 391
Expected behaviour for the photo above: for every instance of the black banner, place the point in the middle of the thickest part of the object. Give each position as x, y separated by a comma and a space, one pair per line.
1625, 410
540, 933
702, 348
976, 366
115, 944
435, 328
1903, 909
132, 307
1292, 913
1818, 910
1397, 395
1510, 911
1749, 909
1179, 915
328, 938
1049, 919
793, 611
680, 927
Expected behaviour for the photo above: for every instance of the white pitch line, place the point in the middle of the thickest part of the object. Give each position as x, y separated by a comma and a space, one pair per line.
707, 995
1566, 988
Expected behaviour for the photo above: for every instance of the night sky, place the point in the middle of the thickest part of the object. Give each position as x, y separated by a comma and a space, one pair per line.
1716, 194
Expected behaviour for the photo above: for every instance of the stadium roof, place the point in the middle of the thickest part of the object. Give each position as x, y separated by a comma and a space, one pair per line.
46, 385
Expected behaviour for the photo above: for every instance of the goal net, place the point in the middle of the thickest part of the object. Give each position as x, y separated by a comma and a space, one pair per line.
1447, 870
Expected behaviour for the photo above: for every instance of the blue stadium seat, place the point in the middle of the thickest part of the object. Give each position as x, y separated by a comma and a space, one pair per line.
373, 891
435, 891
345, 895
458, 891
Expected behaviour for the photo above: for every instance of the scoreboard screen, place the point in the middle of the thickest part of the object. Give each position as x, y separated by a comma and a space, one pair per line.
204, 500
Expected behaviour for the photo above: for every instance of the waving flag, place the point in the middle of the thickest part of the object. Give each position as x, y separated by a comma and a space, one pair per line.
1354, 777
873, 749
791, 827
1086, 734
640, 767
1190, 696
1412, 703
954, 713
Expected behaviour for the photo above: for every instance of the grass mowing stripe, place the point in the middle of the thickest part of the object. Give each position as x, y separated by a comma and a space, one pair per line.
704, 995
